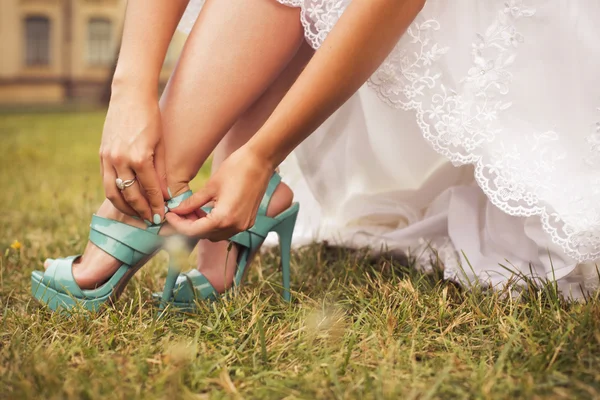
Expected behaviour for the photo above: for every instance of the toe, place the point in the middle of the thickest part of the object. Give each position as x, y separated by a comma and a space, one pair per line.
48, 262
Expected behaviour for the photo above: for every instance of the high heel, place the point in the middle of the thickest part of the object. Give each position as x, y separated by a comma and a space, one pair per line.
193, 286
285, 232
56, 287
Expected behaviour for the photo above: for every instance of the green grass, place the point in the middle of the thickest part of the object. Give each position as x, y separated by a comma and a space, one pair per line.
358, 327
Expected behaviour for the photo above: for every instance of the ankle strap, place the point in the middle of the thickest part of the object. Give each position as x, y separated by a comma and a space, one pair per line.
176, 201
273, 183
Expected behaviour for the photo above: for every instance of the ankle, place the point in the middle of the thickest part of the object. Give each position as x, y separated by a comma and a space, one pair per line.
109, 211
281, 200
175, 189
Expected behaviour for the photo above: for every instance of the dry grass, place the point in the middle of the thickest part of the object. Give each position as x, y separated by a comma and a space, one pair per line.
357, 328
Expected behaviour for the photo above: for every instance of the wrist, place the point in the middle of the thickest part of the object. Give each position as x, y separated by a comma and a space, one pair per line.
263, 155
126, 85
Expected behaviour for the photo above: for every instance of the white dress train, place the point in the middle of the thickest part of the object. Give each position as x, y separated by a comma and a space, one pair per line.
479, 136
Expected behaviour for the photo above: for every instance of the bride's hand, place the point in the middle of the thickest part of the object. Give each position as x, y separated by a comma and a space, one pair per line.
235, 190
132, 132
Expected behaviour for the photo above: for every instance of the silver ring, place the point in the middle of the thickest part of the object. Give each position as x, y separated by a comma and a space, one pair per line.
122, 185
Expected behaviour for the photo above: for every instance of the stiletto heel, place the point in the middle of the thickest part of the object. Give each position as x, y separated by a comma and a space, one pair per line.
285, 232
193, 285
172, 274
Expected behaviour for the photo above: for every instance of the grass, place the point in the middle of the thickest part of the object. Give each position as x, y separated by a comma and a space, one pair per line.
358, 327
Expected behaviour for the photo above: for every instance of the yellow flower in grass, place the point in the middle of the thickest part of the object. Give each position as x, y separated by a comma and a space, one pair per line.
16, 245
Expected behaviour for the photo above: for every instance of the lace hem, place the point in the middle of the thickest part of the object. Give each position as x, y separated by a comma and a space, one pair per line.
318, 17
463, 125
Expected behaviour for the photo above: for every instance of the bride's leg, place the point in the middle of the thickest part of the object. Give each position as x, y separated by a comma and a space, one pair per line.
214, 260
235, 51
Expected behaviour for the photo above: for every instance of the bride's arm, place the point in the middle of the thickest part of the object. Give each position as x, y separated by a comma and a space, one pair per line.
362, 38
365, 34
132, 127
147, 32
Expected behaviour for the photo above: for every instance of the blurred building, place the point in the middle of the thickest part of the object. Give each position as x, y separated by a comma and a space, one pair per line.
54, 51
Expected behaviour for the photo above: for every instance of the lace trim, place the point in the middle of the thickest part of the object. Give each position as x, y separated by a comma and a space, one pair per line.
463, 123
318, 17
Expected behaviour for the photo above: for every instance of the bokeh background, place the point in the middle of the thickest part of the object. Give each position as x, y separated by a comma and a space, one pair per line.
62, 52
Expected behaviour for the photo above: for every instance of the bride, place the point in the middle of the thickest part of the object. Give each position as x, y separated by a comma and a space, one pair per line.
507, 180
464, 130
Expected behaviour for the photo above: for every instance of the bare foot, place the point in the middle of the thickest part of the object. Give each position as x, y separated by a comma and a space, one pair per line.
216, 264
95, 266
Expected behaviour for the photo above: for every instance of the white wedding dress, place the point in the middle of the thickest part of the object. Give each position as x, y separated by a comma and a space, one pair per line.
477, 140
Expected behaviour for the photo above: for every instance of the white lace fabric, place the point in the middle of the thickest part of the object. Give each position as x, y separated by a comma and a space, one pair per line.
484, 93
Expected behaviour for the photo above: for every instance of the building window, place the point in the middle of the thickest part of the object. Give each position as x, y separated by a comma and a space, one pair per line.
37, 41
100, 49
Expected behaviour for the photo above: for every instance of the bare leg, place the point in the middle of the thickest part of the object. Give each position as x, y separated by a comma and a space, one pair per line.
213, 259
233, 54
236, 50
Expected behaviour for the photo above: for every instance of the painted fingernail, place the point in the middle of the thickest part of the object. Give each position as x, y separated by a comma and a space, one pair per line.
148, 222
170, 194
156, 219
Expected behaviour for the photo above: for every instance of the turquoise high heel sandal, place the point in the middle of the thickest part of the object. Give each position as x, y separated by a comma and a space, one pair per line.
181, 291
134, 247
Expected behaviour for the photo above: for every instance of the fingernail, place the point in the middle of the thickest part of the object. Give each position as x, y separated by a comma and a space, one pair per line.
166, 210
148, 222
156, 219
170, 194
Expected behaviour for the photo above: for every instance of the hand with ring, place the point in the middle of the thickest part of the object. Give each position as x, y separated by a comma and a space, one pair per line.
130, 156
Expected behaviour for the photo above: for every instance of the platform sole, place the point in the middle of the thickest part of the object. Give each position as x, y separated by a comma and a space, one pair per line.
63, 302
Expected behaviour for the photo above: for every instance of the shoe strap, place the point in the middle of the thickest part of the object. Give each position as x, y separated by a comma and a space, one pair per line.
250, 238
176, 201
273, 183
124, 242
193, 285
59, 276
